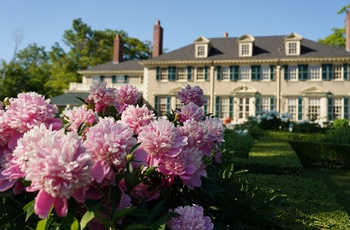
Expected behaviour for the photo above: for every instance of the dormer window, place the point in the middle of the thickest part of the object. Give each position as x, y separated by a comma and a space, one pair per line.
202, 47
246, 45
200, 51
292, 44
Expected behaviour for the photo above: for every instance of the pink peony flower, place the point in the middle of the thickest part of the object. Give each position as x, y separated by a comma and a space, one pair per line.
57, 165
126, 95
216, 134
109, 143
159, 139
136, 117
191, 111
79, 115
192, 94
190, 218
101, 96
29, 110
5, 130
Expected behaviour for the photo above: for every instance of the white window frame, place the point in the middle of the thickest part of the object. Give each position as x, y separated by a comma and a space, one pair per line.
243, 108
162, 105
264, 104
201, 50
338, 72
314, 72
292, 48
200, 73
293, 108
338, 108
225, 107
265, 73
314, 108
293, 72
245, 73
181, 74
163, 74
119, 79
245, 49
225, 73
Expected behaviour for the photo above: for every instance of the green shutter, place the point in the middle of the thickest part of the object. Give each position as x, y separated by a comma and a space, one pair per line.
286, 75
126, 78
206, 73
189, 73
171, 73
346, 71
302, 72
300, 108
272, 72
346, 108
330, 109
157, 73
236, 73
231, 107
272, 103
327, 72
168, 104
217, 106
205, 106
156, 105
255, 72
218, 73
257, 106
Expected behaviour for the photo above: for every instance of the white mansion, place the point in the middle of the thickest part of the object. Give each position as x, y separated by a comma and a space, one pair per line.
240, 76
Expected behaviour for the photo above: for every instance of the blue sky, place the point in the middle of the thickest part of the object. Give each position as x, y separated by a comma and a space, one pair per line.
44, 21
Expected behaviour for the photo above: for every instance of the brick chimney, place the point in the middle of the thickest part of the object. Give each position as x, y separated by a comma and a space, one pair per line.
118, 49
347, 31
225, 35
157, 40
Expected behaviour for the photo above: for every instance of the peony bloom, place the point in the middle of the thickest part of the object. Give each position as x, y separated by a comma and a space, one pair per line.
216, 134
137, 117
29, 110
190, 218
56, 164
109, 142
159, 139
126, 95
79, 115
5, 130
191, 111
192, 94
101, 96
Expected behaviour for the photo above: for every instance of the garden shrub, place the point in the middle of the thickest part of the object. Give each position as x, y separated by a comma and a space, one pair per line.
307, 203
270, 157
322, 154
340, 123
237, 143
340, 135
285, 135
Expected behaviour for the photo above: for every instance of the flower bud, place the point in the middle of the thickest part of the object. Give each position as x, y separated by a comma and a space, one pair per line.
7, 101
130, 157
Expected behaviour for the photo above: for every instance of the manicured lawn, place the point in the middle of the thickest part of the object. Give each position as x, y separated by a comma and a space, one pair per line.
336, 180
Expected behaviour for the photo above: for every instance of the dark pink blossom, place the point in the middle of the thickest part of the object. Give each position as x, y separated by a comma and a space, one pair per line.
190, 218
137, 117
126, 95
101, 96
191, 111
192, 94
79, 115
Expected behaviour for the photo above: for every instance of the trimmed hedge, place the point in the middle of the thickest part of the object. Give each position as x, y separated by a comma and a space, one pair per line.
270, 157
307, 203
322, 154
284, 135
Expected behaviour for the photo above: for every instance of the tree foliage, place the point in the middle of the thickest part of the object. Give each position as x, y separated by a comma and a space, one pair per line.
49, 72
337, 38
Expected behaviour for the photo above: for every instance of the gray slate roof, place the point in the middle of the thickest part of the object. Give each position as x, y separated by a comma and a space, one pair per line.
265, 47
130, 65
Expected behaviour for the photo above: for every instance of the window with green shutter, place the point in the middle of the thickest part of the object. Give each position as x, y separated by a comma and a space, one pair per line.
286, 75
330, 109
231, 107
327, 71
346, 108
217, 106
206, 73
234, 73
302, 72
272, 103
255, 72
346, 71
257, 106
189, 73
272, 72
171, 73
218, 73
300, 108
157, 73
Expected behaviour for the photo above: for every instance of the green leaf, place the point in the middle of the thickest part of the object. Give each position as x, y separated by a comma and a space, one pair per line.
135, 147
136, 226
88, 216
129, 167
123, 212
29, 209
115, 197
81, 99
42, 225
155, 211
75, 225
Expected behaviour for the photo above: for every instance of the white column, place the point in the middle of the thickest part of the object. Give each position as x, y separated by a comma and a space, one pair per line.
212, 96
252, 107
324, 109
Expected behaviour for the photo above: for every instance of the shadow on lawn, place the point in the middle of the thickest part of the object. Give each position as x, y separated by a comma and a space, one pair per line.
336, 180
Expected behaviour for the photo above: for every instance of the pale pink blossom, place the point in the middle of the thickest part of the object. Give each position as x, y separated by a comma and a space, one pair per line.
159, 139
190, 218
29, 110
101, 96
79, 115
191, 111
137, 117
216, 134
57, 165
126, 95
192, 94
5, 130
109, 142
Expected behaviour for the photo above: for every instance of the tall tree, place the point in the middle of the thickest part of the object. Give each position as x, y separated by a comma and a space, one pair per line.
337, 38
